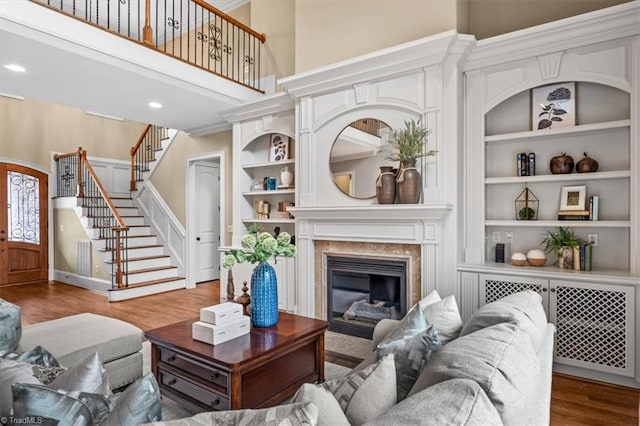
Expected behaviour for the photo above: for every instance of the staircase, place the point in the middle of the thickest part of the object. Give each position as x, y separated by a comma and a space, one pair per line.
142, 265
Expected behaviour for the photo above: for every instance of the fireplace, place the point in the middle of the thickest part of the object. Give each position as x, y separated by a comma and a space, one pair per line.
361, 291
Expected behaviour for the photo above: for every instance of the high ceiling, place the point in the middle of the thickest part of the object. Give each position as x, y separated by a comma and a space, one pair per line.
71, 63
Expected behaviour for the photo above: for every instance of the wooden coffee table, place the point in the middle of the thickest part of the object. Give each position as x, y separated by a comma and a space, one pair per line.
260, 369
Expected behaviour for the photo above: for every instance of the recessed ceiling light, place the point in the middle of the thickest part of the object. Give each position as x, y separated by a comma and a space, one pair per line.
15, 68
156, 105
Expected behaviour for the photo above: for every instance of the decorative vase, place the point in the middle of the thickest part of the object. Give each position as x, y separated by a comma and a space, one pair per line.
286, 177
565, 257
386, 185
264, 296
409, 183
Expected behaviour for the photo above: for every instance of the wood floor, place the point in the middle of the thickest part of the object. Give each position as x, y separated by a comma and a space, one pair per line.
574, 401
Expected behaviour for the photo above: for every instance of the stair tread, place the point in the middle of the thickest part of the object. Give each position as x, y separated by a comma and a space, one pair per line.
147, 283
135, 247
129, 226
143, 258
158, 268
129, 237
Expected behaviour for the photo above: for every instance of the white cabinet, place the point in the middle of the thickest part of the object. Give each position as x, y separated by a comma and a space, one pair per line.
594, 321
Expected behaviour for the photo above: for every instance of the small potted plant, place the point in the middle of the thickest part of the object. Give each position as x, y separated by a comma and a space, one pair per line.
407, 145
562, 243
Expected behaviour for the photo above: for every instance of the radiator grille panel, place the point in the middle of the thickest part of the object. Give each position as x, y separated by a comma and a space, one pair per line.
591, 326
497, 289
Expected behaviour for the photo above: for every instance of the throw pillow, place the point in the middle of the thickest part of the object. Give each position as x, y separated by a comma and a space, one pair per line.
12, 372
501, 360
329, 411
454, 402
445, 317
36, 355
52, 407
139, 403
300, 414
524, 308
430, 298
88, 376
10, 326
366, 394
412, 343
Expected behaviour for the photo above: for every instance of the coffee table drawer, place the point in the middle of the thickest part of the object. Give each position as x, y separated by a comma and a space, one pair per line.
204, 396
209, 374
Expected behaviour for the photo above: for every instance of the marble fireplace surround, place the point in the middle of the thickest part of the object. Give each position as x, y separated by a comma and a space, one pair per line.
403, 232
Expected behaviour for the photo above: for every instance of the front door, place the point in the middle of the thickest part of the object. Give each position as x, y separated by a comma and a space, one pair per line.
207, 221
23, 224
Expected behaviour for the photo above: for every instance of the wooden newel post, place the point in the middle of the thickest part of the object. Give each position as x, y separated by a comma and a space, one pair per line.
147, 31
132, 183
81, 154
118, 249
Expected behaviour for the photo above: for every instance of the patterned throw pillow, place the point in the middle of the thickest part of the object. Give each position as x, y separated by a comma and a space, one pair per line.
10, 326
412, 343
46, 375
300, 414
36, 355
329, 411
12, 372
49, 405
365, 394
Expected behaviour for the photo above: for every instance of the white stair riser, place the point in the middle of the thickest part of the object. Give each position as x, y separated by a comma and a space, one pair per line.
138, 252
130, 293
124, 211
91, 222
152, 275
130, 242
121, 202
95, 232
149, 263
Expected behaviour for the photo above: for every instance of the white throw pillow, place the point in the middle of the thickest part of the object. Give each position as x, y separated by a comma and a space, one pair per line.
366, 394
329, 411
430, 298
444, 315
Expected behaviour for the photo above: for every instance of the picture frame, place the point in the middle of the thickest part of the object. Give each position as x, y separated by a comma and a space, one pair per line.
278, 147
573, 198
553, 106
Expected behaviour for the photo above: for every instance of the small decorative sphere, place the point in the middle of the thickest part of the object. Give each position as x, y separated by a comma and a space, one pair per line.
536, 257
518, 259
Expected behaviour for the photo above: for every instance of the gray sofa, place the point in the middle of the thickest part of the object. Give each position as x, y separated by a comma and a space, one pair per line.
495, 369
72, 339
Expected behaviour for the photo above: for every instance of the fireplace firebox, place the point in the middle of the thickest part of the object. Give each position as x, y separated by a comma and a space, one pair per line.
362, 291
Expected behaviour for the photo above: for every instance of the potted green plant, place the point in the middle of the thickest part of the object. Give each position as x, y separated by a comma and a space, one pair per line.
562, 243
406, 146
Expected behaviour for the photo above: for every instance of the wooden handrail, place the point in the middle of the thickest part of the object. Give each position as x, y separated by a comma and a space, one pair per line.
104, 193
260, 36
134, 150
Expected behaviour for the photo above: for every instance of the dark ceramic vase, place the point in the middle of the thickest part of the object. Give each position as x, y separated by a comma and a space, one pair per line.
386, 185
409, 183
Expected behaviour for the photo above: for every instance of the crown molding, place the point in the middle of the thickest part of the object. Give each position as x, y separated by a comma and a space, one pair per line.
269, 105
602, 25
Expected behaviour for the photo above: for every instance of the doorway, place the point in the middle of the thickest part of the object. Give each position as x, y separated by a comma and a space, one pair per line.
24, 243
205, 217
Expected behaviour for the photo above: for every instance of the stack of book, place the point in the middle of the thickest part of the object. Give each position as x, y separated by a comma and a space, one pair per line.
582, 257
220, 323
573, 215
591, 214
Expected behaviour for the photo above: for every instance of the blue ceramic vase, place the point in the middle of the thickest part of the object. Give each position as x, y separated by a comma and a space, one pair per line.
264, 296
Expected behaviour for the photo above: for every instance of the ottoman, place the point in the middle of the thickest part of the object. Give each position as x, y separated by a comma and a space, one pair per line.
71, 339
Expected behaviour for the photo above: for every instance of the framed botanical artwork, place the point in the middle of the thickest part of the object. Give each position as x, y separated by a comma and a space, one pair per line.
573, 197
553, 106
279, 147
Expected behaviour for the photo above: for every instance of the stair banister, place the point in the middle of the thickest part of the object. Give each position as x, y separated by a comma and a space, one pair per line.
260, 36
134, 151
77, 155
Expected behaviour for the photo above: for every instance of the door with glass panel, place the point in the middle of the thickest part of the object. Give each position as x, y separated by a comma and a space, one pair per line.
23, 224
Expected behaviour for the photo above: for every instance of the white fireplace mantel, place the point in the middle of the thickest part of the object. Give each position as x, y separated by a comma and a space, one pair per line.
396, 212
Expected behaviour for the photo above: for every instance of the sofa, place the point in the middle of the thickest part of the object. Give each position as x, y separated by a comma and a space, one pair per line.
430, 368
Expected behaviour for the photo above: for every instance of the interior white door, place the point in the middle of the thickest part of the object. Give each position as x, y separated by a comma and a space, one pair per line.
207, 230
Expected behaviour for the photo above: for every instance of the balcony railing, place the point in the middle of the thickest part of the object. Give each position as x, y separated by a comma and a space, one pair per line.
192, 31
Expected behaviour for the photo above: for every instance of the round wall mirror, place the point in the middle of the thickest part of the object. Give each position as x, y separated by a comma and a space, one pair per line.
356, 157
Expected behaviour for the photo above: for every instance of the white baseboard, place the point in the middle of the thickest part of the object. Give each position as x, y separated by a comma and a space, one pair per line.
94, 284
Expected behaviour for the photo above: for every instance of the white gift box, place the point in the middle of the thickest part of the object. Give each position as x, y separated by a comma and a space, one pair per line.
216, 334
221, 314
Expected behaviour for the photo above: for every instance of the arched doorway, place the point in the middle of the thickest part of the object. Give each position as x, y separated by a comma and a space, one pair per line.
23, 224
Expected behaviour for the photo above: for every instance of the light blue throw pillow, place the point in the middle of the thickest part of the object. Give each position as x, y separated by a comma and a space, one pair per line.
412, 343
10, 326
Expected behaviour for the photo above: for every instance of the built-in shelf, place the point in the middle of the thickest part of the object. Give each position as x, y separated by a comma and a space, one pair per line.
621, 174
275, 220
551, 133
562, 223
268, 164
273, 192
